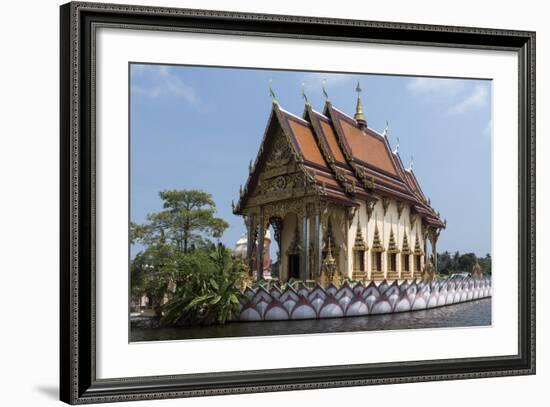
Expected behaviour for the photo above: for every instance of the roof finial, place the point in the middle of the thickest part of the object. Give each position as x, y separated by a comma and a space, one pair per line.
396, 147
325, 90
359, 116
411, 165
272, 94
385, 133
304, 93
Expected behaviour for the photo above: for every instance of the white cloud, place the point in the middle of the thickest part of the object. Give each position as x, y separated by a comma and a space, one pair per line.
157, 81
477, 99
435, 86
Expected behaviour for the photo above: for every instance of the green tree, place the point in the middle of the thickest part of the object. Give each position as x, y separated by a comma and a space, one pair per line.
466, 262
152, 271
187, 219
455, 263
485, 264
458, 263
180, 264
444, 262
207, 289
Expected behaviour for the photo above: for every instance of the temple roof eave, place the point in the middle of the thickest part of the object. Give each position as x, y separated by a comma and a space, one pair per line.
339, 176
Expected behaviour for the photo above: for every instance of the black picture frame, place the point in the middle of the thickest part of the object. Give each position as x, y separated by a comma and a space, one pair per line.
78, 382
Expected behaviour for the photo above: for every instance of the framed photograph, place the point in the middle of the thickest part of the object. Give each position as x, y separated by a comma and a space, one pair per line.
255, 203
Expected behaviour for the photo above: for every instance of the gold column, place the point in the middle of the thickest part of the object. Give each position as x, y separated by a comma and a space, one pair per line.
318, 235
305, 247
260, 247
250, 243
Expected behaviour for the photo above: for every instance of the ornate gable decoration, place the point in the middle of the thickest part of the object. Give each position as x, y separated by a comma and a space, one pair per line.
405, 248
281, 154
392, 246
376, 242
280, 178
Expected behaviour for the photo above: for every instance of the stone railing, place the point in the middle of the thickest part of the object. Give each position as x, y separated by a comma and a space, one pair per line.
357, 299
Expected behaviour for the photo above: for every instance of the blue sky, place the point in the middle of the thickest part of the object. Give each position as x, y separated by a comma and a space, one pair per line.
198, 127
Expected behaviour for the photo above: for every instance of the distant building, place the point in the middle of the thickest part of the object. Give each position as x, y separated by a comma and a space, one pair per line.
241, 248
328, 177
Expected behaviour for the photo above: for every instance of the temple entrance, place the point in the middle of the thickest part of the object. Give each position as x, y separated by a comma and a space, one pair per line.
275, 249
275, 227
293, 266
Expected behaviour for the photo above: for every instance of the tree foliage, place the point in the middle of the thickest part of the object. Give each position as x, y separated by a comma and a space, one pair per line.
190, 279
187, 220
206, 295
462, 263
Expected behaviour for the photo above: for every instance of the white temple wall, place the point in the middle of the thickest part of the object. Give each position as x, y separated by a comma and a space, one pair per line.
386, 222
348, 271
400, 230
405, 229
377, 210
342, 248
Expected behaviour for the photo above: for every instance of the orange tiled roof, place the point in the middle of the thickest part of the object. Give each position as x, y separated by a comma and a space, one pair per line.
347, 162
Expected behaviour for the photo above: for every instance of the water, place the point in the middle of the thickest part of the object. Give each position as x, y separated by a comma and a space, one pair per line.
472, 313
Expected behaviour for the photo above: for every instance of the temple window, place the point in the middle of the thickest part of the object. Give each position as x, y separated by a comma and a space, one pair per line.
406, 266
377, 261
359, 249
417, 259
392, 253
392, 261
377, 250
359, 260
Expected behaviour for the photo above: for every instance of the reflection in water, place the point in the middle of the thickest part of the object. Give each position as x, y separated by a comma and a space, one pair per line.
473, 313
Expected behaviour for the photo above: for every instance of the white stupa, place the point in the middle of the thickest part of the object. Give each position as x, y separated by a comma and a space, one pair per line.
241, 245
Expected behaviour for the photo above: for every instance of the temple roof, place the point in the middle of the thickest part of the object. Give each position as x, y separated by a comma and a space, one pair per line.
346, 160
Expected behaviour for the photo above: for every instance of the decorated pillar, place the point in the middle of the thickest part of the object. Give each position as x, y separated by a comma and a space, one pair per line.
318, 235
277, 224
305, 246
250, 228
260, 246
425, 236
434, 235
434, 252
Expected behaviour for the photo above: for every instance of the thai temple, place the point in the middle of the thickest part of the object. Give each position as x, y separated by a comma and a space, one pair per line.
339, 201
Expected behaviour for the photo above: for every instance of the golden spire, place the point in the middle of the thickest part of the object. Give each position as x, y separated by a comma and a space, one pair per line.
329, 259
304, 96
272, 94
359, 116
376, 241
325, 90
